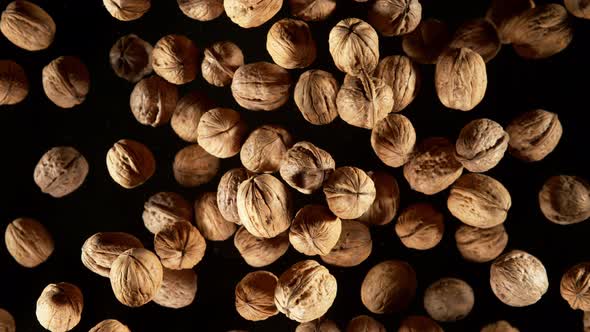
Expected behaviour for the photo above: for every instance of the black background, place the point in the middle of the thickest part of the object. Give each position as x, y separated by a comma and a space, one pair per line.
85, 29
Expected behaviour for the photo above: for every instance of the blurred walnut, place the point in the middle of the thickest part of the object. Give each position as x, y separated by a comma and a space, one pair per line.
305, 291
60, 171
14, 84
501, 12
261, 86
389, 287
153, 101
349, 192
175, 58
353, 247
565, 200
305, 167
586, 321
7, 323
578, 8
131, 58
318, 325
180, 246
364, 323
354, 46
193, 166
499, 326
402, 76
312, 10
449, 299
221, 132
255, 296
315, 230
227, 193
427, 41
179, 288
260, 252
481, 145
290, 44
386, 201
201, 10
165, 208
518, 278
59, 307
393, 140
136, 276
534, 135
209, 219
479, 35
481, 245
420, 226
220, 62
28, 242
110, 325
130, 163
264, 149
66, 81
574, 286
395, 17
251, 13
419, 324
127, 10
27, 26
101, 249
315, 96
187, 115
364, 100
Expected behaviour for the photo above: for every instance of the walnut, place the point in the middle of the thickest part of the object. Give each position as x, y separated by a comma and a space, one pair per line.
449, 299
7, 323
260, 252
264, 206
578, 8
393, 139
101, 249
110, 325
433, 167
318, 325
261, 86
136, 276
66, 81
518, 278
574, 286
179, 288
209, 219
481, 245
201, 10
305, 167
305, 291
534, 135
165, 208
175, 58
427, 42
193, 166
353, 247
180, 246
187, 114
364, 323
315, 96
131, 58
349, 192
264, 149
221, 132
479, 35
501, 12
227, 193
354, 46
499, 326
251, 13
59, 307
386, 201
127, 10
388, 287
402, 76
395, 17
419, 324
255, 296
312, 10
28, 242
290, 44
14, 84
153, 101
27, 26
60, 171
420, 226
315, 230
565, 200
363, 101
220, 62
481, 145
130, 163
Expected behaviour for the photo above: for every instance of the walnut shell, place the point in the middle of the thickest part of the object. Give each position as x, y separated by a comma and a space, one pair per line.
393, 140
251, 13
14, 84
449, 299
534, 135
60, 171
349, 192
481, 245
193, 166
130, 163
221, 132
27, 26
136, 276
315, 230
290, 44
255, 296
260, 252
427, 42
180, 246
101, 249
153, 101
364, 323
187, 115
165, 208
220, 62
28, 242
261, 86
402, 76
353, 247
501, 12
264, 149
578, 8
305, 291
179, 288
499, 326
395, 17
388, 287
127, 10
419, 324
66, 81
227, 193
586, 321
574, 286
315, 96
131, 58
312, 10
363, 101
386, 201
7, 323
318, 325
209, 219
354, 46
481, 145
59, 307
479, 35
110, 325
518, 278
175, 58
565, 200
420, 226
305, 167
201, 10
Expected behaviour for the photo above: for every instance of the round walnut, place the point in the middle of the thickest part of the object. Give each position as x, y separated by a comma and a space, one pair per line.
127, 10
363, 101
578, 8
221, 132
499, 326
364, 323
353, 247
227, 193
66, 81
565, 200
14, 84
260, 252
388, 287
110, 325
419, 324
165, 208
393, 140
175, 58
131, 58
427, 42
479, 200
481, 145
153, 101
187, 115
449, 299
350, 192
101, 249
209, 219
395, 17
264, 149
518, 278
501, 12
27, 26
305, 167
220, 62
251, 13
136, 276
315, 96
574, 286
290, 44
312, 10
479, 35
420, 226
402, 76
318, 325
481, 245
7, 323
433, 167
193, 166
534, 135
315, 230
60, 171
130, 163
354, 46
180, 246
255, 296
261, 86
179, 288
264, 206
59, 308
28, 242
305, 291
201, 10
386, 201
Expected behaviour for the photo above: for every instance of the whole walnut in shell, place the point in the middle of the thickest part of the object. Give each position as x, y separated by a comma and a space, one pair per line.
315, 230
349, 192
386, 201
481, 245
449, 299
251, 13
427, 42
130, 163
221, 132
7, 323
420, 226
479, 35
201, 10
101, 249
193, 166
209, 219
501, 12
312, 10
364, 323
127, 10
254, 296
305, 167
419, 324
578, 8
136, 276
27, 26
481, 145
318, 325
28, 242
110, 325
227, 193
315, 96
165, 208
402, 76
66, 81
393, 140
499, 326
290, 44
388, 287
187, 115
353, 247
260, 252
264, 149
261, 86
395, 17
175, 58
565, 200
180, 246
60, 171
179, 288
534, 135
131, 58
14, 84
363, 101
574, 286
59, 307
220, 62
354, 46
153, 101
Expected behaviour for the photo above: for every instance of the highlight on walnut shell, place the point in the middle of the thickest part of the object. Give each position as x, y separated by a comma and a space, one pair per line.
574, 286
66, 81
427, 42
7, 323
393, 139
60, 171
14, 84
499, 326
180, 246
201, 10
312, 10
131, 58
420, 226
187, 114
209, 219
364, 323
251, 13
315, 96
127, 10
261, 86
260, 252
402, 76
449, 299
110, 325
389, 287
534, 135
265, 148
153, 101
227, 193
290, 44
565, 199
419, 324
254, 296
479, 35
349, 192
28, 242
101, 249
193, 166
59, 307
27, 26
221, 132
481, 145
165, 208
220, 62
481, 245
315, 230
395, 17
130, 163
354, 46
305, 167
354, 245
178, 290
175, 59
136, 276
387, 200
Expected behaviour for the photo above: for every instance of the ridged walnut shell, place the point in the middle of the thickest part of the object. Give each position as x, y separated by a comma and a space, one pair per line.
261, 86
110, 325
193, 166
59, 307
130, 163
419, 324
251, 13
187, 114
481, 145
574, 287
254, 296
318, 325
131, 58
354, 46
227, 193
315, 96
153, 101
220, 62
260, 252
290, 44
175, 58
27, 26
499, 326
165, 208
420, 226
402, 76
315, 230
209, 219
28, 242
364, 323
578, 8
7, 323
60, 171
305, 167
501, 12
481, 245
136, 276
201, 10
386, 201
221, 132
312, 10
127, 10
179, 288
180, 246
479, 35
66, 81
101, 249
14, 84
353, 247
349, 192
565, 199
389, 287
264, 149
395, 17
534, 135
427, 42
393, 139
449, 299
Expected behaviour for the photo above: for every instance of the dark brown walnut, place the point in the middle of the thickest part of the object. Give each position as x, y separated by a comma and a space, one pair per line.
193, 166
136, 276
419, 324
518, 278
395, 17
318, 325
220, 62
201, 10
59, 307
481, 245
574, 286
153, 101
180, 246
386, 201
349, 192
209, 219
393, 140
305, 291
315, 230
389, 287
481, 145
187, 115
501, 12
221, 132
60, 171
402, 76
364, 100
290, 44
227, 193
131, 58
179, 288
127, 10
312, 10
27, 26
448, 299
66, 81
479, 35
254, 296
586, 321
420, 226
427, 41
460, 79
565, 200
305, 167
28, 242
251, 13
315, 96
534, 135
578, 8
264, 149
354, 46
101, 249
260, 252
165, 208
433, 167
130, 163
353, 247
110, 325
261, 86
264, 206
499, 326
364, 323
14, 84
7, 323
176, 59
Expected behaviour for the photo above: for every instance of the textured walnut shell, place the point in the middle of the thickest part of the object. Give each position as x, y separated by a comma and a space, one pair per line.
364, 323
354, 46
386, 201
27, 26
395, 17
201, 10
501, 12
153, 101
312, 10
59, 307
353, 247
165, 208
481, 245
388, 287
264, 149
349, 192
227, 193
318, 325
175, 58
518, 278
193, 166
101, 249
187, 115
565, 200
251, 13
449, 299
578, 8
14, 84
221, 132
28, 242
127, 10
574, 286
534, 135
315, 230
363, 101
419, 324
499, 326
255, 296
393, 140
131, 58
479, 35
290, 44
130, 163
66, 81
261, 86
305, 291
209, 219
110, 325
433, 167
179, 288
420, 226
180, 246
260, 252
402, 76
220, 62
427, 42
7, 323
481, 145
315, 96
60, 171
305, 167
136, 276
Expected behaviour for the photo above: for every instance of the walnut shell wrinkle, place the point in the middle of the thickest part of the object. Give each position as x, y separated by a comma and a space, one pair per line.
127, 10
251, 13
363, 101
389, 287
315, 96
419, 324
420, 226
501, 12
574, 286
131, 58
180, 246
221, 132
364, 323
354, 46
193, 166
220, 62
534, 135
227, 193
179, 288
209, 219
27, 26
254, 296
290, 44
578, 8
66, 81
260, 252
201, 10
7, 323
101, 249
386, 201
449, 300
265, 148
565, 199
312, 10
354, 245
130, 163
481, 245
59, 308
187, 115
165, 208
315, 230
395, 17
175, 58
349, 192
481, 145
305, 167
479, 35
60, 171
28, 242
110, 325
14, 84
261, 86
427, 42
402, 76
153, 100
393, 139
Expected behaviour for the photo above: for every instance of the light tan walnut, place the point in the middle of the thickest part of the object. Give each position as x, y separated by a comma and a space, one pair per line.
386, 201
127, 10
354, 46
353, 247
221, 132
176, 59
227, 193
251, 13
264, 149
130, 163
66, 81
481, 145
393, 139
305, 167
290, 44
165, 208
14, 84
260, 252
481, 245
315, 230
254, 296
179, 288
479, 35
110, 325
312, 10
201, 10
349, 192
220, 62
59, 308
565, 199
28, 242
153, 101
209, 219
420, 226
315, 96
136, 276
395, 17
101, 249
180, 246
389, 287
27, 26
193, 166
402, 76
449, 299
261, 86
534, 135
61, 171
499, 326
